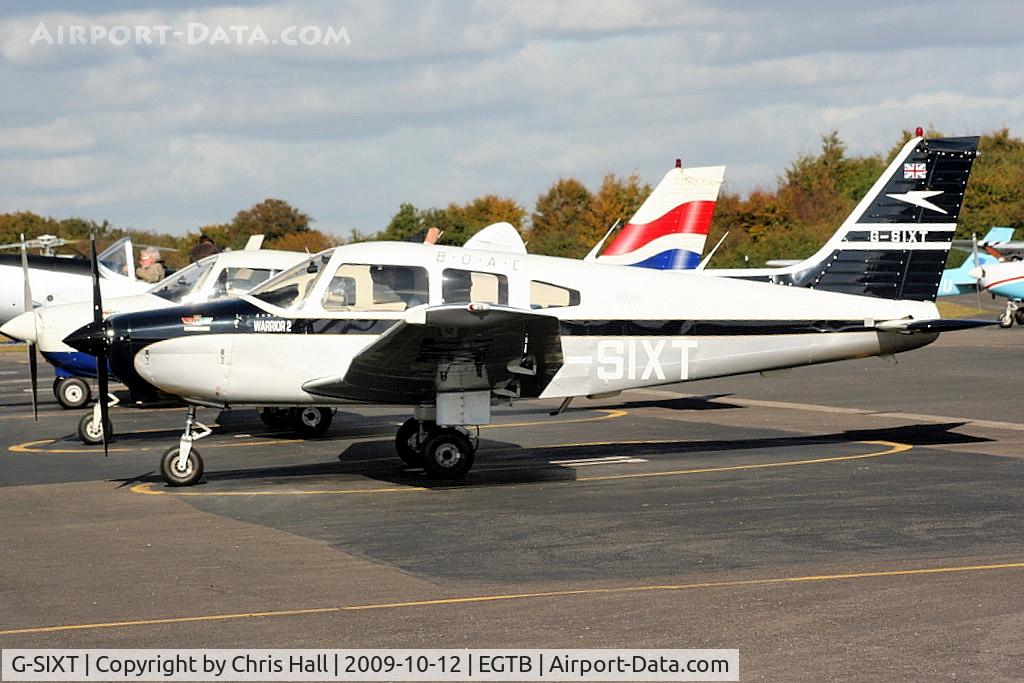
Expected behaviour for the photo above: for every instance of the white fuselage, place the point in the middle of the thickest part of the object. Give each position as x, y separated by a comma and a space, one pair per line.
742, 327
51, 287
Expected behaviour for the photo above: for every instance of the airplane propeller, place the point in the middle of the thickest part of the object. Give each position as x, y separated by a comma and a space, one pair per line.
33, 368
977, 280
103, 380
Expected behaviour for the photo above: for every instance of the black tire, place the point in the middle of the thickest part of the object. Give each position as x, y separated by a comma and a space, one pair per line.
1018, 315
448, 454
407, 443
310, 421
1006, 320
72, 392
88, 432
175, 477
276, 418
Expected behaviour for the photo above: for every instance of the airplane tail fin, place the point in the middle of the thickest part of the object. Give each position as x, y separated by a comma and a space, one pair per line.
895, 243
996, 236
670, 228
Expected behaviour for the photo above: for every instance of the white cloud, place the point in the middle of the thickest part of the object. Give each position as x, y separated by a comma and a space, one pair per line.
443, 101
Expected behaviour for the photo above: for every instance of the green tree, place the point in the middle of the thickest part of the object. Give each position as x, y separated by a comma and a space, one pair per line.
557, 217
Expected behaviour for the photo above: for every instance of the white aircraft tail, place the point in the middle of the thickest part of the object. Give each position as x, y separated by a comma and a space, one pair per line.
670, 228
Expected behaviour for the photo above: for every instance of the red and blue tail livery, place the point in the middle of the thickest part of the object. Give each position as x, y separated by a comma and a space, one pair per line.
670, 228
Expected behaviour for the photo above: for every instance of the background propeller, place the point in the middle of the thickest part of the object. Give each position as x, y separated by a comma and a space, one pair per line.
974, 255
33, 368
102, 377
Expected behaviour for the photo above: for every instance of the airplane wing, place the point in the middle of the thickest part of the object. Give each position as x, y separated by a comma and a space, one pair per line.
460, 347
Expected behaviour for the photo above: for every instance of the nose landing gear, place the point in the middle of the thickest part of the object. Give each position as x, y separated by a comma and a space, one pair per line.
182, 465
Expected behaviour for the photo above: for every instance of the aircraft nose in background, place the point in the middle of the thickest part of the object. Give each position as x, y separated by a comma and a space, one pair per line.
21, 327
977, 273
90, 339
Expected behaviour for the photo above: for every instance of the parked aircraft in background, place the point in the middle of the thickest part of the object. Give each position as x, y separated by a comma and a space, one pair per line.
957, 281
1004, 279
670, 229
56, 279
451, 330
214, 277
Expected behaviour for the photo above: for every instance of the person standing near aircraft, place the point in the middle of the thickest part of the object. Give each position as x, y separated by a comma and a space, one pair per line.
150, 269
205, 247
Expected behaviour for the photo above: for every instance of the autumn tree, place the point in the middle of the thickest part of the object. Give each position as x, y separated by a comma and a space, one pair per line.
557, 217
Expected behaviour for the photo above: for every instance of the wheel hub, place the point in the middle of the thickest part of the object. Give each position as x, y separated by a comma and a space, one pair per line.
447, 455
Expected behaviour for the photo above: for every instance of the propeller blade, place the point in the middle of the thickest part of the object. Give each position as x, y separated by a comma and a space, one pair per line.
977, 281
33, 368
103, 379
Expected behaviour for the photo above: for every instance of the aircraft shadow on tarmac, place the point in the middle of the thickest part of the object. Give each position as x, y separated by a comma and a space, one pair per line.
504, 463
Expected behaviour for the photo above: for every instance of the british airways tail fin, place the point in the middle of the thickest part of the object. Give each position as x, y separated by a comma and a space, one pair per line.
670, 228
895, 242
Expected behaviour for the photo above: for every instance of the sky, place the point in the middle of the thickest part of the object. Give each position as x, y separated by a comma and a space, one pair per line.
439, 102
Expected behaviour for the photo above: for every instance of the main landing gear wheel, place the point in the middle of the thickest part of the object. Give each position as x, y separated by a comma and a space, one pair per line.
276, 418
408, 443
1018, 315
448, 454
71, 392
309, 422
175, 475
90, 431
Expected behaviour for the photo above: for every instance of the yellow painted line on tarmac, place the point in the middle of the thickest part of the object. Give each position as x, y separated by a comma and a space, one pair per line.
509, 597
65, 413
892, 449
147, 489
609, 414
33, 446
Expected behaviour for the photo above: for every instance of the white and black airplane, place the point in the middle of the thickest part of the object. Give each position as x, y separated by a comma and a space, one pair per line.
450, 331
57, 279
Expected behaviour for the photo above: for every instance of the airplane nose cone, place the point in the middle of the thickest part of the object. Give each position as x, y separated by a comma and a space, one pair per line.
21, 327
91, 339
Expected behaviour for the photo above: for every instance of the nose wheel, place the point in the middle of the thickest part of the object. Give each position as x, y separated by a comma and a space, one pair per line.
181, 472
182, 465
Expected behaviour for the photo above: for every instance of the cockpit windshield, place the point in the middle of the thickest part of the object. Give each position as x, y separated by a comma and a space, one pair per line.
181, 283
290, 288
115, 258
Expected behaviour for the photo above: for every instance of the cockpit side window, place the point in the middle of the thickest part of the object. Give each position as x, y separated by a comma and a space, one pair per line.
464, 286
362, 287
547, 295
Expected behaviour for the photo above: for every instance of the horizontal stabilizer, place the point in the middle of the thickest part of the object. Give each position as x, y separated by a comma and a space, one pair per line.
937, 325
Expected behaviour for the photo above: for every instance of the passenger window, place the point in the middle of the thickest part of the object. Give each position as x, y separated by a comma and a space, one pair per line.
357, 287
547, 295
463, 286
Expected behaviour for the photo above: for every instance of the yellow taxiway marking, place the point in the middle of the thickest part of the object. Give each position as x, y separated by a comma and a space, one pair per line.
31, 446
147, 489
892, 448
64, 413
477, 599
34, 446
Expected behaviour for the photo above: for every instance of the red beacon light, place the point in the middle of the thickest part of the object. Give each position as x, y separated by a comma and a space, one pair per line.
679, 163
919, 132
